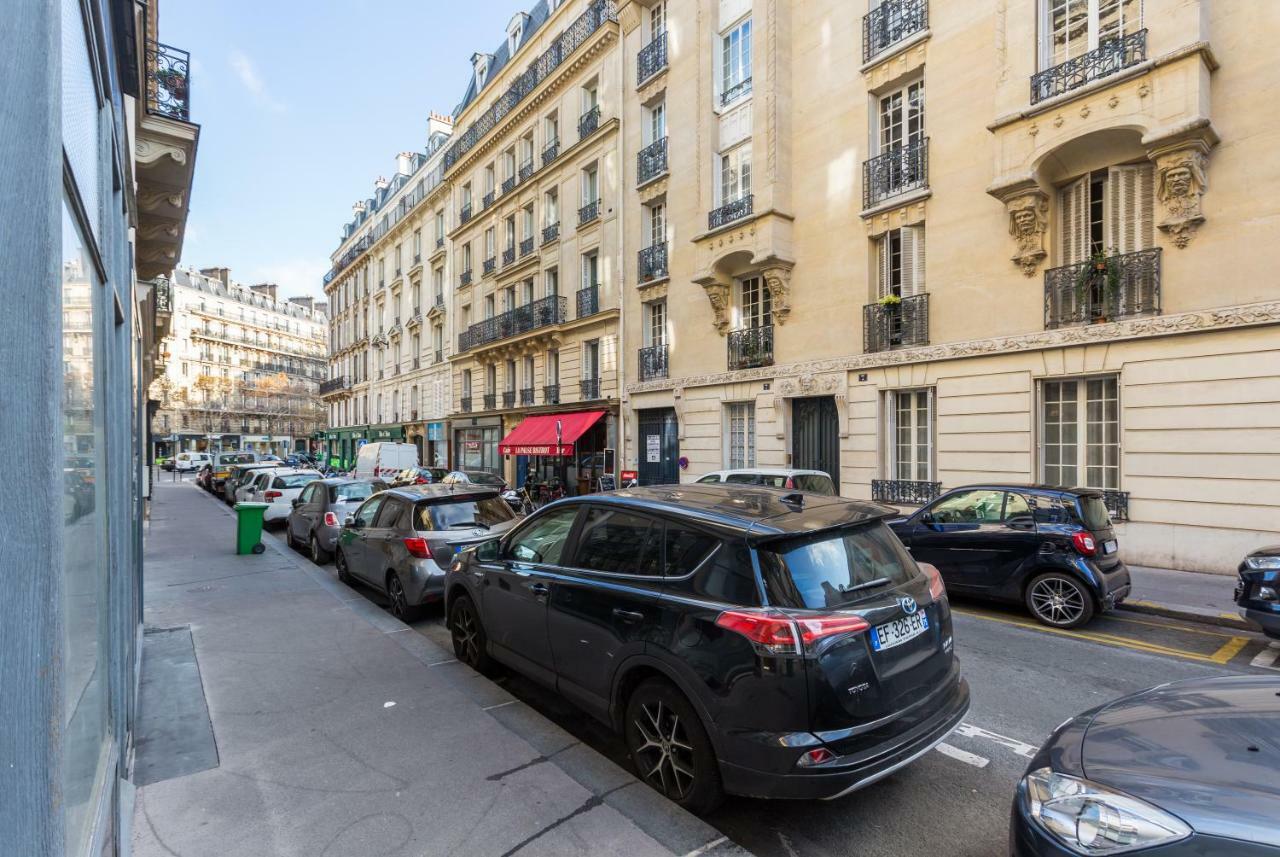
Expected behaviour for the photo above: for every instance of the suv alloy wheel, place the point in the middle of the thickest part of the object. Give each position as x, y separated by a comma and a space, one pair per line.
669, 747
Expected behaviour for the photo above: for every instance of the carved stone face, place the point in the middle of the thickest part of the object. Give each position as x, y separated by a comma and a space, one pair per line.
1178, 181
1024, 221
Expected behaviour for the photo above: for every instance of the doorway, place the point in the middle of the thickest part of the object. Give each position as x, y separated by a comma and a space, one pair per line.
815, 442
659, 447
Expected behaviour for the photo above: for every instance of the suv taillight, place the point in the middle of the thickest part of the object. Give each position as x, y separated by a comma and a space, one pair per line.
773, 633
937, 589
418, 548
1084, 543
330, 519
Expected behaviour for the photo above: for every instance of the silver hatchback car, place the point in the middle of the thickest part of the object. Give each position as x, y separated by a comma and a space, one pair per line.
402, 540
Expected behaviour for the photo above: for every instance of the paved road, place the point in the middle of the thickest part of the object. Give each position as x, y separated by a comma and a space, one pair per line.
1025, 679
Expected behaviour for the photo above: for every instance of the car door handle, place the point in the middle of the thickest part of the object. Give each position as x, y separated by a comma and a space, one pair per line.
541, 590
627, 615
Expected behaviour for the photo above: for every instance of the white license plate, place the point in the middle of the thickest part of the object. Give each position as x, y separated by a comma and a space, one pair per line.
899, 631
1109, 546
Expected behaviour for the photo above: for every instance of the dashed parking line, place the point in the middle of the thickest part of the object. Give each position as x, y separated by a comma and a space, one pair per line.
442, 663
1020, 747
500, 705
1266, 658
962, 755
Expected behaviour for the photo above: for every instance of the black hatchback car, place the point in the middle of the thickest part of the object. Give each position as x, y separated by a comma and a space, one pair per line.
743, 640
1053, 549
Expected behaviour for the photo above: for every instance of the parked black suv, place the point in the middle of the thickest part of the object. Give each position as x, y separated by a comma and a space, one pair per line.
1052, 549
744, 640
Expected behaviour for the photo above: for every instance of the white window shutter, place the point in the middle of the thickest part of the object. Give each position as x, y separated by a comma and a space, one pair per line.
913, 281
1128, 204
891, 435
1073, 221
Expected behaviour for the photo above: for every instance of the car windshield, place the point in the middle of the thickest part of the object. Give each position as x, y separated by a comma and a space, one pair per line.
461, 513
815, 484
353, 491
832, 569
1094, 512
482, 478
296, 480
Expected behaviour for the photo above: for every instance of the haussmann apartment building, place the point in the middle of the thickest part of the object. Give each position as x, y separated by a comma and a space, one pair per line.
1096, 185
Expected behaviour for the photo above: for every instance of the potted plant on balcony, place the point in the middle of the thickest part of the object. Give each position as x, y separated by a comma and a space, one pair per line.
1098, 284
890, 301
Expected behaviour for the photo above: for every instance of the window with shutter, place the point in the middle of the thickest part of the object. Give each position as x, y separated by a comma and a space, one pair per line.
1073, 221
1129, 216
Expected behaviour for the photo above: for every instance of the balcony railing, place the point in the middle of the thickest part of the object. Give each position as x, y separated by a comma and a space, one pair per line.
731, 211
589, 388
904, 492
1104, 288
334, 385
490, 265
551, 394
653, 362
464, 279
464, 214
509, 399
551, 152
588, 212
168, 81
526, 246
487, 200
540, 313
439, 355
490, 401
440, 242
439, 301
653, 262
890, 23
651, 161
751, 347
589, 122
465, 403
900, 325
733, 93
526, 396
508, 185
1109, 57
508, 255
588, 301
652, 58
551, 233
895, 172
526, 169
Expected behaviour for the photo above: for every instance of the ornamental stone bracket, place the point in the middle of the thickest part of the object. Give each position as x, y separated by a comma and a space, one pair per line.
1181, 182
1027, 206
718, 295
777, 278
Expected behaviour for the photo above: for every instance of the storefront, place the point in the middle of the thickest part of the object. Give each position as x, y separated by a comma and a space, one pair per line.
342, 446
475, 446
569, 450
267, 444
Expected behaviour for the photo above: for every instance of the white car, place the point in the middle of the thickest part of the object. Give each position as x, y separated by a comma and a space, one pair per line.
278, 488
812, 481
185, 462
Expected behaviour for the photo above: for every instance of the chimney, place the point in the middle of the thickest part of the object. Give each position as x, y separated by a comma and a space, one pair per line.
222, 275
268, 289
438, 123
381, 184
404, 163
304, 302
358, 209
321, 307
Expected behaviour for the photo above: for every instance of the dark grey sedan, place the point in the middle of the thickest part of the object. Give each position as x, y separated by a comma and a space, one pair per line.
402, 540
1188, 768
318, 513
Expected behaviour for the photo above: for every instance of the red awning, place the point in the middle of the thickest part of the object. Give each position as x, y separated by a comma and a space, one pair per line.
537, 435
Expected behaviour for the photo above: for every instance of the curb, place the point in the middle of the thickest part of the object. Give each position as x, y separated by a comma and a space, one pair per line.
1188, 614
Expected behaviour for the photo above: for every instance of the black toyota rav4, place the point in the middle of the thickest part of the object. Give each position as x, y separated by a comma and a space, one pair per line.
743, 640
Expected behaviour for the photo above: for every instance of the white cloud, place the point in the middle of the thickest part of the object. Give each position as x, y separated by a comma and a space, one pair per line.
252, 81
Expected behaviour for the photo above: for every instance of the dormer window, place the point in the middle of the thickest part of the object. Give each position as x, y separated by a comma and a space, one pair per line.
515, 30
480, 62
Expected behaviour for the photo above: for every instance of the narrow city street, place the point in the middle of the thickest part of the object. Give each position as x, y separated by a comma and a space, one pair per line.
1025, 680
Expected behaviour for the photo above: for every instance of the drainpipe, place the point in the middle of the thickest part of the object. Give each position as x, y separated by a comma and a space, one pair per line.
624, 434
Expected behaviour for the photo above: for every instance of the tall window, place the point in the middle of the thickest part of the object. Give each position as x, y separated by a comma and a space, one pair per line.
551, 129
528, 374
488, 180
466, 383
656, 126
488, 306
591, 360
900, 262
511, 376
417, 244
1080, 432
911, 434
655, 328
590, 184
527, 223
440, 224
466, 257
735, 62
553, 282
590, 97
437, 339
491, 378
489, 241
657, 217
900, 119
1108, 211
735, 174
551, 208
1069, 28
466, 197
754, 305
553, 367
740, 420
590, 269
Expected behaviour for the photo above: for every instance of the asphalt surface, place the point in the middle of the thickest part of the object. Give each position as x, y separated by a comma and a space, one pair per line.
1025, 680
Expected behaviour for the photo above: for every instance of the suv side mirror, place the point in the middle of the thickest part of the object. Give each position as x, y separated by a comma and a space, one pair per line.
489, 551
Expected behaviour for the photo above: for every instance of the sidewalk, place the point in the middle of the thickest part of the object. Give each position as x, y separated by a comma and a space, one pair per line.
1187, 595
333, 729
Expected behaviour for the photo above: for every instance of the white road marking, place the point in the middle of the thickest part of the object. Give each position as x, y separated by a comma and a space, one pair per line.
705, 848
442, 663
500, 705
388, 705
1019, 747
1267, 657
962, 755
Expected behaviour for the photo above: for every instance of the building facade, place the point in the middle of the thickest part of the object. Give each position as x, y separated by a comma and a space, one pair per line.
96, 187
1082, 169
241, 369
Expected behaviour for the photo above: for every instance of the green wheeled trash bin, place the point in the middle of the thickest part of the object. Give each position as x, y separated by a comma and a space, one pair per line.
249, 527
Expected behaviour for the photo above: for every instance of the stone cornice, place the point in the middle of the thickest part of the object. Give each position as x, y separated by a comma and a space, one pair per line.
1202, 321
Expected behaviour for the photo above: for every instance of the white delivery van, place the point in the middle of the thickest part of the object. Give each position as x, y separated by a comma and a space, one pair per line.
188, 461
383, 460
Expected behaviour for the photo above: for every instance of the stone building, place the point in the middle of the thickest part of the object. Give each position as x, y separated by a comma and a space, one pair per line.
241, 369
1097, 184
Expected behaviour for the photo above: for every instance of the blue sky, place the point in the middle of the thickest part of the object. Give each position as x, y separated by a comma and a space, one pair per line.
301, 106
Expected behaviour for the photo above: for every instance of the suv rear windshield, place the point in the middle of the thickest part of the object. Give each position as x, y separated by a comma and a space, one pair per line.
833, 569
1093, 512
461, 513
354, 491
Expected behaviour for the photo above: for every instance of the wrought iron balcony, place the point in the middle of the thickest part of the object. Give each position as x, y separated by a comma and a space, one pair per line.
489, 265
168, 81
588, 212
904, 492
464, 214
526, 170
652, 58
731, 211
526, 395
733, 93
589, 122
1104, 288
526, 246
508, 255
509, 399
653, 262
751, 347
465, 403
1109, 57
589, 388
895, 172
588, 301
653, 362
439, 356
551, 233
551, 152
335, 385
439, 301
464, 279
490, 401
508, 185
651, 161
900, 325
540, 313
440, 242
487, 200
890, 23
551, 394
